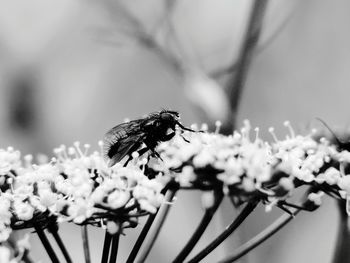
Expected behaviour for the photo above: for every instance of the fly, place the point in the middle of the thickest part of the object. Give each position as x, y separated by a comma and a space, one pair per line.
141, 135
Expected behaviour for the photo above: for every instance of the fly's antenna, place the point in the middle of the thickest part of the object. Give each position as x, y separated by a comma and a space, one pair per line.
331, 131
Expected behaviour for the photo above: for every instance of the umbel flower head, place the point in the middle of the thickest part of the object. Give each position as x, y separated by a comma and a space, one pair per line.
74, 186
78, 186
248, 168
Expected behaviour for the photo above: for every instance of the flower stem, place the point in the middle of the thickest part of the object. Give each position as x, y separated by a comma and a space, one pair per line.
61, 246
342, 252
85, 237
157, 227
227, 232
115, 245
141, 238
106, 247
135, 250
44, 240
208, 215
260, 238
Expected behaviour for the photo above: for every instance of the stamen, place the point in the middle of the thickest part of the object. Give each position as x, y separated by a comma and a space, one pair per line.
103, 226
272, 131
246, 129
63, 151
218, 126
72, 151
77, 146
290, 128
256, 134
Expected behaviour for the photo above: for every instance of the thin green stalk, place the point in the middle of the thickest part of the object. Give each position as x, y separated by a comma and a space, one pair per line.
342, 251
61, 246
106, 247
226, 233
260, 238
44, 240
85, 237
115, 245
141, 238
208, 215
135, 250
157, 227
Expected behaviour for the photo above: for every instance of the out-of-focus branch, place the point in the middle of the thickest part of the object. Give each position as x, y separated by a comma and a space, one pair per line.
135, 30
230, 69
237, 81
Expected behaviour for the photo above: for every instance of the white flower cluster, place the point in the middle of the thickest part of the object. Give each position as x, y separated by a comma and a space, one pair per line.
75, 186
79, 187
245, 167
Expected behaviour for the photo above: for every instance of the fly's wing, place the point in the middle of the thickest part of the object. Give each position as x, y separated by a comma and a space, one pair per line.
122, 140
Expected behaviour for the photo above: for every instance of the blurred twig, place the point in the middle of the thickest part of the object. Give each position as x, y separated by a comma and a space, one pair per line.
237, 81
135, 30
230, 69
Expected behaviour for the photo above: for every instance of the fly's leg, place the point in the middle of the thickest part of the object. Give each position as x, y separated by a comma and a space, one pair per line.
184, 138
156, 154
185, 128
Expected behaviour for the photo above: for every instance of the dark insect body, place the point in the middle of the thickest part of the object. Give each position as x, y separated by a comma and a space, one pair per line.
126, 138
340, 144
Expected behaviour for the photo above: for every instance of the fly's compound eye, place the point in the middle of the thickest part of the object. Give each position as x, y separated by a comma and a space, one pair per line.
168, 117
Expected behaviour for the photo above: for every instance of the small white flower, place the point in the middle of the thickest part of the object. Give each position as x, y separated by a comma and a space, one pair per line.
117, 199
316, 198
23, 210
331, 176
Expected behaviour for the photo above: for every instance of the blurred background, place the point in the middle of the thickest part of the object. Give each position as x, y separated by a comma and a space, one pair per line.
70, 70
